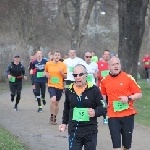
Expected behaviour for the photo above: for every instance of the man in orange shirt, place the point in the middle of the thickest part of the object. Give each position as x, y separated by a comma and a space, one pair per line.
56, 71
122, 91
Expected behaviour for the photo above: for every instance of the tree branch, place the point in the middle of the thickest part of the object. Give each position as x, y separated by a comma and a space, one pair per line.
66, 14
86, 18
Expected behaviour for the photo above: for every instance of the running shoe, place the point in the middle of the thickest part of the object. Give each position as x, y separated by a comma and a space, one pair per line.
105, 121
39, 110
15, 108
44, 102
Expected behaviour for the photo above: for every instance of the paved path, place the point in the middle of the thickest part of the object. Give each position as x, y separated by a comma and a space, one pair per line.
35, 131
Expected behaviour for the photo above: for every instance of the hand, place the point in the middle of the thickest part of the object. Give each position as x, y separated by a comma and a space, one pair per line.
48, 75
62, 127
31, 71
104, 103
60, 70
25, 77
124, 99
91, 112
9, 76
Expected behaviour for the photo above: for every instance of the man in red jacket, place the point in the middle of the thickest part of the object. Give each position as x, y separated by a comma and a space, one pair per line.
103, 72
146, 63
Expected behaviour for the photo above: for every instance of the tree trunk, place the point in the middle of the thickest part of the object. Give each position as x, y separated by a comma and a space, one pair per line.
131, 29
75, 28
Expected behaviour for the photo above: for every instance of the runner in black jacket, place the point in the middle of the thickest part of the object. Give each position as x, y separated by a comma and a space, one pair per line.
15, 71
82, 106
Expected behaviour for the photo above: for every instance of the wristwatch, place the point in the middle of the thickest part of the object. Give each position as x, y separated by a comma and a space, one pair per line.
129, 98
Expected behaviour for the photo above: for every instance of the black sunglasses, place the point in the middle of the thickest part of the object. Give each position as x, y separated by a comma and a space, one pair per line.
80, 74
88, 56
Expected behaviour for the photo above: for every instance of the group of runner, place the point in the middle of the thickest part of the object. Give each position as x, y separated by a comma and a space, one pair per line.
90, 85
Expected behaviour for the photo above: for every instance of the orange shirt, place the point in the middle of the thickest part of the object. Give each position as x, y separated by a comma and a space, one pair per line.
78, 90
121, 85
56, 78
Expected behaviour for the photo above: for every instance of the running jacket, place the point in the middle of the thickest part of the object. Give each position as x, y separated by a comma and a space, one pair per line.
16, 71
90, 98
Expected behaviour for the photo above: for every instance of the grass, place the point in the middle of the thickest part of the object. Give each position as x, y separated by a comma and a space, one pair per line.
10, 142
143, 105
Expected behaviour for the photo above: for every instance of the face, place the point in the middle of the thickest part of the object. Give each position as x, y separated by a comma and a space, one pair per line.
72, 53
114, 65
39, 54
88, 57
56, 57
16, 59
106, 55
80, 75
146, 55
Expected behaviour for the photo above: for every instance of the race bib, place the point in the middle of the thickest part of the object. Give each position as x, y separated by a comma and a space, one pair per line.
146, 63
40, 74
104, 73
80, 114
89, 78
12, 79
54, 80
71, 69
119, 106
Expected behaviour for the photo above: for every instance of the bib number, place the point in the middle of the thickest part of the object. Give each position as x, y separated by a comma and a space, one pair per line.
12, 79
40, 74
80, 114
119, 106
54, 80
104, 73
146, 63
89, 78
71, 69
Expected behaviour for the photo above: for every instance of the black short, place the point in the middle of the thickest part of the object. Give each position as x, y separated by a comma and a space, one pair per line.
121, 126
55, 92
89, 141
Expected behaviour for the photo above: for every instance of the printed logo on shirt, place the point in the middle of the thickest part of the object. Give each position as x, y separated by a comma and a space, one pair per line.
86, 97
121, 84
101, 64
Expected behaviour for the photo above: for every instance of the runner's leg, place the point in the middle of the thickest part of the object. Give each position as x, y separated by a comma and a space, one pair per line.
19, 88
43, 89
37, 86
12, 87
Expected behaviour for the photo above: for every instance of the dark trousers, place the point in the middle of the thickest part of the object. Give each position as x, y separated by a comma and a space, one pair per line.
40, 87
121, 126
147, 72
89, 141
15, 89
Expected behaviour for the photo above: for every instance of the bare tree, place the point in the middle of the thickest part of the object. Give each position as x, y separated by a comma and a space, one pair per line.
131, 29
76, 25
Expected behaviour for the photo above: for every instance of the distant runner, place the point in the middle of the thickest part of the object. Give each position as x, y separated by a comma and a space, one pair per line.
92, 68
56, 71
15, 72
103, 72
40, 79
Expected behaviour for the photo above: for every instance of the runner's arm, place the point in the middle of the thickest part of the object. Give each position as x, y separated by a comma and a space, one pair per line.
7, 71
65, 118
23, 71
99, 111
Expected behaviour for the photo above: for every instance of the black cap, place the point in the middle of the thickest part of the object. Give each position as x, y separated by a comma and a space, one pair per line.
16, 55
